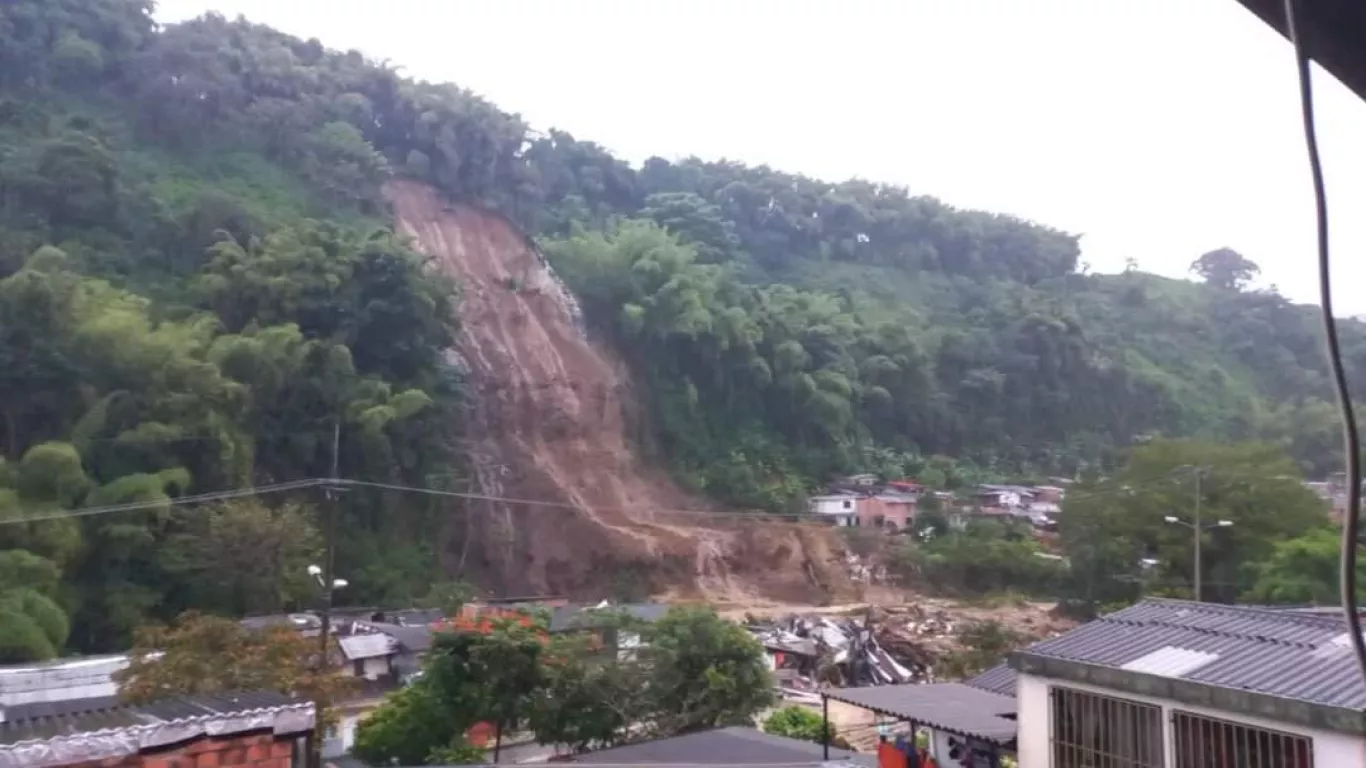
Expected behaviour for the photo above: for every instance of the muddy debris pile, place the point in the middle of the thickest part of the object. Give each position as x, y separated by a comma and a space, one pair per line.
884, 645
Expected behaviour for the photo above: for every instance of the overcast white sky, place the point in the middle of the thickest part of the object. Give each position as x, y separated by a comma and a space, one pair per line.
1158, 129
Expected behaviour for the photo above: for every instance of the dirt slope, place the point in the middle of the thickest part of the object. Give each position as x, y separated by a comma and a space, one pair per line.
548, 423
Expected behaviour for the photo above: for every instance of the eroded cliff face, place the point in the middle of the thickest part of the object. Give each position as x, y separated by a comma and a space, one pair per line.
548, 426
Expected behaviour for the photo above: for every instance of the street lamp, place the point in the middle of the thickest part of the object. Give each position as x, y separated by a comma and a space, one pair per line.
1197, 531
317, 573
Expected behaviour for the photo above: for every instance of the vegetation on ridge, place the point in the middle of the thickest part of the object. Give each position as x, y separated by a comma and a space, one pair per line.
197, 287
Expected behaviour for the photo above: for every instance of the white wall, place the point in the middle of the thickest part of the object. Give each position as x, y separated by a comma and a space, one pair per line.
375, 668
834, 505
1331, 750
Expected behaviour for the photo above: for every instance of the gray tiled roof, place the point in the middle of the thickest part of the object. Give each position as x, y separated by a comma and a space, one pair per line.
948, 706
1288, 654
723, 746
999, 679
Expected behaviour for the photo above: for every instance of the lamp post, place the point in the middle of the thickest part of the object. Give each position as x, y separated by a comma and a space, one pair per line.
315, 754
317, 574
1197, 532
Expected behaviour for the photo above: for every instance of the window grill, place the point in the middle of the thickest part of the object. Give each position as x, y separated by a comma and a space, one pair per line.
1091, 731
1204, 742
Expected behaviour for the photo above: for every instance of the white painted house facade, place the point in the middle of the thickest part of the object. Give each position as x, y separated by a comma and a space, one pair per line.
839, 508
1179, 684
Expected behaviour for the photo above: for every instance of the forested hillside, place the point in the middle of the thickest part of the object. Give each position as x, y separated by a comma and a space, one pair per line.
198, 284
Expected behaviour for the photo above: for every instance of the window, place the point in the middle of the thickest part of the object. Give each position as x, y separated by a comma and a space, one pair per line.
1203, 742
1091, 731
848, 505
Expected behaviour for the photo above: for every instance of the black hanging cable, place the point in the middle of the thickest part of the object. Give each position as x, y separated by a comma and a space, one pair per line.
1351, 438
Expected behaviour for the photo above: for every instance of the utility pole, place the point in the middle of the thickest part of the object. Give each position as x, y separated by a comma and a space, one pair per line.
1199, 533
1198, 529
331, 491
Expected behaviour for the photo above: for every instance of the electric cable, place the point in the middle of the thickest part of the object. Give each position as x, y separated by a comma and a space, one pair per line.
297, 485
1351, 438
179, 501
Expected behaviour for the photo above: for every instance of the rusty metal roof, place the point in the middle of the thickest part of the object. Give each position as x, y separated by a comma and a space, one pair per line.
1285, 654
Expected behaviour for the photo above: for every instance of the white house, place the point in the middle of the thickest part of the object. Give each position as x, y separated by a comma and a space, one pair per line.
840, 508
1179, 684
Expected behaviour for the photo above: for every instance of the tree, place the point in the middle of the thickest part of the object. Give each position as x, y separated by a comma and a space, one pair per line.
989, 556
797, 722
1108, 527
210, 655
407, 729
243, 557
587, 701
982, 644
704, 672
32, 626
485, 673
1302, 571
1225, 268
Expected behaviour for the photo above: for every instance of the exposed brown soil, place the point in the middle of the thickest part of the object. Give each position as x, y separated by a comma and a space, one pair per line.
549, 422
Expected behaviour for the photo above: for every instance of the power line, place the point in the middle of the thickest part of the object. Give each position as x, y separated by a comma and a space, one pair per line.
178, 501
1351, 438
343, 482
564, 504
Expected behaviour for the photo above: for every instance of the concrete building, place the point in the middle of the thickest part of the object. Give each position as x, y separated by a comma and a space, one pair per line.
889, 509
1179, 684
839, 508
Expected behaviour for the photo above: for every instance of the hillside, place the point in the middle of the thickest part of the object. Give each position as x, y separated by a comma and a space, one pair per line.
548, 422
201, 284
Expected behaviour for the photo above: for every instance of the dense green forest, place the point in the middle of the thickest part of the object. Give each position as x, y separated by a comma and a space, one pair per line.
198, 286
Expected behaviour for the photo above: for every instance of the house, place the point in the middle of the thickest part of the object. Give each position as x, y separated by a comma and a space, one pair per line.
1180, 684
1001, 499
1050, 494
888, 509
260, 730
722, 746
840, 509
599, 619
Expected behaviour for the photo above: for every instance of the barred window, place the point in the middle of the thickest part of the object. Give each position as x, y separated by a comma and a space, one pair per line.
1204, 742
1091, 731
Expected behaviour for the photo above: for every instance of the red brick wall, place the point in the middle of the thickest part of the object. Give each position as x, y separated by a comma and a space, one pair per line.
256, 751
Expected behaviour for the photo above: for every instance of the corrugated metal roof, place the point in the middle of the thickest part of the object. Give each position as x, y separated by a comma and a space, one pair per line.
1285, 654
369, 646
952, 707
586, 616
415, 639
62, 673
722, 746
116, 715
999, 679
